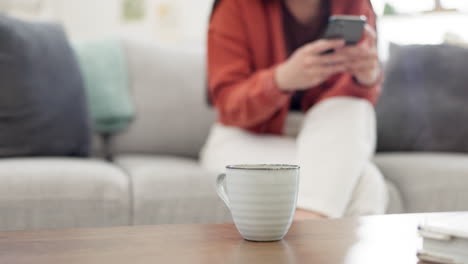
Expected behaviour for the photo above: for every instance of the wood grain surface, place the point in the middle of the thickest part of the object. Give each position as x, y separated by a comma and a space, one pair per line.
368, 240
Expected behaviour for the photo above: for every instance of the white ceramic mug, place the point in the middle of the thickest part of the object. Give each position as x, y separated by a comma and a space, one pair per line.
261, 198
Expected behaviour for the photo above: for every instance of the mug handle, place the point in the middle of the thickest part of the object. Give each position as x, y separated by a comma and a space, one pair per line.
221, 189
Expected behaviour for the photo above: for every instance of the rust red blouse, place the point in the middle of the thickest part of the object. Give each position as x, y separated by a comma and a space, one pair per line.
297, 34
246, 42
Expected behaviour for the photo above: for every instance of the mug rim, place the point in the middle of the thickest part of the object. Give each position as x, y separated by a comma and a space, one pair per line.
263, 167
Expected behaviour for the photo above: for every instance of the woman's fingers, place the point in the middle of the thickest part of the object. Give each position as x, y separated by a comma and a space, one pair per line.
320, 46
366, 71
359, 60
367, 55
364, 64
335, 58
326, 60
370, 34
334, 69
309, 66
326, 71
359, 51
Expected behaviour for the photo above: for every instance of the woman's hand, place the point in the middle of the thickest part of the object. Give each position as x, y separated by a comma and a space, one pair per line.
307, 67
364, 59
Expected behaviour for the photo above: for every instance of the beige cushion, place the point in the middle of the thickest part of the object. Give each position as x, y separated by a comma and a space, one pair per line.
428, 182
395, 204
61, 193
169, 190
175, 190
168, 87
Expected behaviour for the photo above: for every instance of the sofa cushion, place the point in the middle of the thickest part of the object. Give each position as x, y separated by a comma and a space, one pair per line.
395, 203
61, 193
428, 182
169, 190
43, 110
168, 86
423, 104
104, 69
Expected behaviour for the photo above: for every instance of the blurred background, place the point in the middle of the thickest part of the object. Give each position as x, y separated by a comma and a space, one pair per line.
183, 22
145, 92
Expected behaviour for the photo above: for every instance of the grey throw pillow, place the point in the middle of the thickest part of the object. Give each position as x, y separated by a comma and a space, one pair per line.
43, 111
424, 102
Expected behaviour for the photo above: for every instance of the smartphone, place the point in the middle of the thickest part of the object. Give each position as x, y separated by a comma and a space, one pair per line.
348, 28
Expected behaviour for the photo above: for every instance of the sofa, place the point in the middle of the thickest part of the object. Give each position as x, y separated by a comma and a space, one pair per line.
155, 177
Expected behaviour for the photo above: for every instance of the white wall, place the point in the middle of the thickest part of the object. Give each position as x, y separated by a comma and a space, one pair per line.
81, 18
184, 22
87, 18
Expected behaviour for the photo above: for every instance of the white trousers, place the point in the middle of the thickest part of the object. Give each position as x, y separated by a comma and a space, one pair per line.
334, 148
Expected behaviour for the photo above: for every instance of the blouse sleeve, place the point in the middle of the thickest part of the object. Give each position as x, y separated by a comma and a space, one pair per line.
243, 97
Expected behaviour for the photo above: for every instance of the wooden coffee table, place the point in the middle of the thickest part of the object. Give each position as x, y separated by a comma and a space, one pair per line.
373, 240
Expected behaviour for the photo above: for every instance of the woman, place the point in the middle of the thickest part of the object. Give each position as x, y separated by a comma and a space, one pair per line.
266, 61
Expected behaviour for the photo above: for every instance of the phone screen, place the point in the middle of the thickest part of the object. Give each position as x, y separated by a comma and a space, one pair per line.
349, 28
